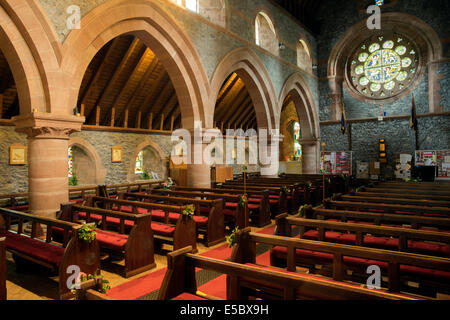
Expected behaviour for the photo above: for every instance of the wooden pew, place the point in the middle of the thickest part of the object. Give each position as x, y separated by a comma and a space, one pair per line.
235, 213
387, 208
399, 220
400, 195
3, 268
245, 252
391, 200
247, 280
180, 235
383, 237
135, 246
415, 185
48, 253
337, 258
90, 290
210, 220
425, 192
259, 208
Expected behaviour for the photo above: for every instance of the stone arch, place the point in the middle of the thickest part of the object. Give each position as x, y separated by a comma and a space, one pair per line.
424, 36
301, 94
304, 58
156, 29
271, 44
99, 170
246, 64
131, 177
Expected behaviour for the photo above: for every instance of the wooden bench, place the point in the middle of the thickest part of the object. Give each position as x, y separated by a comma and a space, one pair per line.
388, 208
182, 234
235, 212
90, 290
400, 195
135, 246
258, 202
399, 220
245, 281
3, 268
425, 192
383, 237
335, 259
48, 253
210, 219
392, 200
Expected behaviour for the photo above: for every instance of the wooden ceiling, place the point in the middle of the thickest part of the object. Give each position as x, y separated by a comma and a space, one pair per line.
234, 107
9, 100
305, 11
125, 85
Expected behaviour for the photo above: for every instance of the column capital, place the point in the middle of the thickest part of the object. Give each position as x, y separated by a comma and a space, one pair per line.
48, 126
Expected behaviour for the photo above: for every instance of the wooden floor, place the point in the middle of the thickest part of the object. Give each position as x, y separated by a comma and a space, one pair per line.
37, 285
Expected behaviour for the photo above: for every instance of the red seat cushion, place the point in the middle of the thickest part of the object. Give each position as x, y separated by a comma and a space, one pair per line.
254, 200
361, 262
425, 272
19, 208
111, 240
187, 296
173, 217
229, 212
34, 248
273, 196
273, 201
231, 204
77, 200
163, 229
281, 251
129, 209
253, 206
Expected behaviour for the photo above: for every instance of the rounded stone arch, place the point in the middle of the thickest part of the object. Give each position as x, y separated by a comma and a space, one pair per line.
247, 65
265, 12
131, 176
99, 170
422, 34
159, 31
308, 116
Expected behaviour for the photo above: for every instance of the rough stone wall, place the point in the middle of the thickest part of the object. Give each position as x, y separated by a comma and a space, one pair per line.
13, 178
434, 134
212, 41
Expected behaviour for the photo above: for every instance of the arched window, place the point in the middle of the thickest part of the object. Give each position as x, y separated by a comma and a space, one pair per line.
303, 56
265, 34
297, 146
191, 5
139, 167
70, 155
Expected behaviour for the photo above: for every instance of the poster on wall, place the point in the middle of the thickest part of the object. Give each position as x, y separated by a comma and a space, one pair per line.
443, 163
337, 162
426, 158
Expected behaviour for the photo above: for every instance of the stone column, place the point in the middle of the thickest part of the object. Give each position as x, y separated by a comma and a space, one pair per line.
273, 151
198, 171
336, 95
434, 98
311, 156
48, 137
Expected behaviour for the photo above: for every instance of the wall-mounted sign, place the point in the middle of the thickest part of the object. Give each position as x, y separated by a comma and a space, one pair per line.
116, 154
17, 154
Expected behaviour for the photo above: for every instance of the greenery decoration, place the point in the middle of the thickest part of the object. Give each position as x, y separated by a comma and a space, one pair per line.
285, 190
308, 185
242, 200
87, 233
231, 239
301, 211
145, 175
73, 180
189, 211
83, 278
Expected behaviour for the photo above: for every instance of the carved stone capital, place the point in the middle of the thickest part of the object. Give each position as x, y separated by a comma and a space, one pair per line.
48, 126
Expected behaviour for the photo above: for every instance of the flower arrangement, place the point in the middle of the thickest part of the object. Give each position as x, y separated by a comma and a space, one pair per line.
168, 184
301, 211
285, 189
231, 239
87, 233
145, 175
308, 185
242, 200
84, 277
189, 211
73, 180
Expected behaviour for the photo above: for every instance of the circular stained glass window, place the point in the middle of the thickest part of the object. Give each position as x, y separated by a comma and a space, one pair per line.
383, 65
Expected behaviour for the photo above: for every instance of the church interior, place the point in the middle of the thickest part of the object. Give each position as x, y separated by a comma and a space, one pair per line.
224, 150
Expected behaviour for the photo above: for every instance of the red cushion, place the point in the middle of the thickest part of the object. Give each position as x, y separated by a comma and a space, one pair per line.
173, 217
429, 247
253, 206
254, 200
364, 262
404, 212
187, 296
19, 208
94, 217
273, 201
163, 229
424, 272
111, 240
375, 210
77, 200
300, 253
129, 209
273, 196
229, 212
231, 204
35, 248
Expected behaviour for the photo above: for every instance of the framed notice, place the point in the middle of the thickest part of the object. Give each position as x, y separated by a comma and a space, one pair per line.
337, 162
17, 154
443, 163
116, 154
426, 158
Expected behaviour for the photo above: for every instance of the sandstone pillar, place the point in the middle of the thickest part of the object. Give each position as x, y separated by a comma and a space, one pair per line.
48, 137
198, 170
336, 95
311, 156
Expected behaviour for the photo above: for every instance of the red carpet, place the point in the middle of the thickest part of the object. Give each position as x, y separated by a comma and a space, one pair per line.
144, 285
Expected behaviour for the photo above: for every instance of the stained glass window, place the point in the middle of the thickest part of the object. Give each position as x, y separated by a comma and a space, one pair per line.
382, 65
139, 167
297, 146
70, 158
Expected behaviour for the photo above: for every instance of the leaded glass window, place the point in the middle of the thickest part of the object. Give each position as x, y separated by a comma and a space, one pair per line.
70, 158
383, 65
139, 167
297, 145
